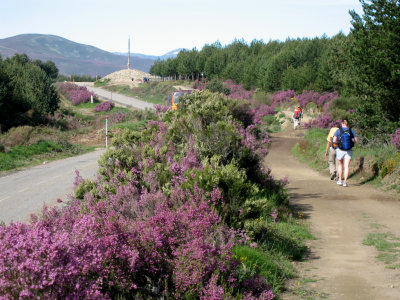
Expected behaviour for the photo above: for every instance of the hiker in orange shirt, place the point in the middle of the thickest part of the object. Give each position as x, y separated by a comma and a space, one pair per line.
296, 117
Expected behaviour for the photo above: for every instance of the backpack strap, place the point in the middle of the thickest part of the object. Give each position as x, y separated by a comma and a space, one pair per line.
351, 133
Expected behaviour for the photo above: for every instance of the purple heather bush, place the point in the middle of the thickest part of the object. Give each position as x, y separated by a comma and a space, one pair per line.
281, 97
395, 139
259, 111
161, 108
104, 106
323, 100
199, 85
237, 91
77, 94
322, 121
118, 117
160, 220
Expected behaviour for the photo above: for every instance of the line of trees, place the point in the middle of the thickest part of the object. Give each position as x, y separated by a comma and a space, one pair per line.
363, 66
294, 64
26, 91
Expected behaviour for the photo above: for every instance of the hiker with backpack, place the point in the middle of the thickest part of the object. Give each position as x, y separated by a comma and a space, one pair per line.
330, 153
296, 117
345, 139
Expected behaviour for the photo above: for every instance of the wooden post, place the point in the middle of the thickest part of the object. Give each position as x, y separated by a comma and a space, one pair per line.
106, 131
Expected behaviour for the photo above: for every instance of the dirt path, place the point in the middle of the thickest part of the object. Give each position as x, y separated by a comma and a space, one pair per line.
339, 265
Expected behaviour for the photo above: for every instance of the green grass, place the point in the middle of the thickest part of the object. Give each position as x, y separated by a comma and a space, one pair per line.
130, 125
273, 123
388, 246
88, 104
278, 244
102, 82
274, 267
311, 150
22, 156
301, 231
376, 226
115, 109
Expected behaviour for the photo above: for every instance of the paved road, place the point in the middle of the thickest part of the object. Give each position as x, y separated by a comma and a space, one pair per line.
118, 98
24, 192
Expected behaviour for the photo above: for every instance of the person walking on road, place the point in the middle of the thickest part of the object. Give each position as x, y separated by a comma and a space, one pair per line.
345, 139
296, 117
330, 153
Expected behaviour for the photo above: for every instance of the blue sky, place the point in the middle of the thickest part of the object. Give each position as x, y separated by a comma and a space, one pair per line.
159, 26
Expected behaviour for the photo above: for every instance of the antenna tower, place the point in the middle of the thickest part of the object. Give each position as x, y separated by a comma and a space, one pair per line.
129, 53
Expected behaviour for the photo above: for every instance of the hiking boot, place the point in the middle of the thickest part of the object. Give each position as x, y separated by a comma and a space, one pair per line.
339, 182
333, 176
344, 183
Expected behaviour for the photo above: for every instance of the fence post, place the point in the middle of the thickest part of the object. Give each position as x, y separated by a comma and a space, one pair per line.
106, 131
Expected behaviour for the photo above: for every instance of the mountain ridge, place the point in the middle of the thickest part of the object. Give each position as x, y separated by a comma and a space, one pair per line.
71, 58
170, 54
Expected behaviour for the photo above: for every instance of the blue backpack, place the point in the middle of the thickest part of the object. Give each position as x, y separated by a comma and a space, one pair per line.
345, 139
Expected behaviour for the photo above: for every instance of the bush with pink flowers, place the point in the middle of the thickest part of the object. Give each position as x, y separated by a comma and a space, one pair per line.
104, 106
161, 219
237, 91
395, 139
77, 94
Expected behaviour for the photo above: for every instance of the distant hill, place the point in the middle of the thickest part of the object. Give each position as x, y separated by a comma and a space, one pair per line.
171, 54
70, 57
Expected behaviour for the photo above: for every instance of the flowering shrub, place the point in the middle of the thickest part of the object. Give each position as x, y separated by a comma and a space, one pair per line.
237, 91
322, 121
199, 85
232, 90
261, 110
160, 220
118, 117
395, 139
104, 106
77, 94
281, 97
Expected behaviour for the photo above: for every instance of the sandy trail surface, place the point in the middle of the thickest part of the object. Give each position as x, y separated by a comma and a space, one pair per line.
339, 266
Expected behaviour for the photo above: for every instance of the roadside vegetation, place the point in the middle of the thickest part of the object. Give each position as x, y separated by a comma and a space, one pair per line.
54, 120
152, 91
379, 165
25, 146
387, 245
182, 207
173, 214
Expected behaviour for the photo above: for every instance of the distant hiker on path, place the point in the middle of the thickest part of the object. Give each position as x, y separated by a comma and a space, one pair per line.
345, 139
330, 153
296, 117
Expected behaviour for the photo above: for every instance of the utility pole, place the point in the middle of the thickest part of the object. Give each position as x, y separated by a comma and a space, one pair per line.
129, 53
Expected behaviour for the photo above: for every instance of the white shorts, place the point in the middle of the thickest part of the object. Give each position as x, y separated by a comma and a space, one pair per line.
343, 154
